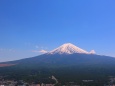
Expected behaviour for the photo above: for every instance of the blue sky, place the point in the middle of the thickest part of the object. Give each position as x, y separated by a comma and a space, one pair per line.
27, 26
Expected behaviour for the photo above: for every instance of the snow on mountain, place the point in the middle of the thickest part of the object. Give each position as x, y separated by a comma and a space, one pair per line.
68, 48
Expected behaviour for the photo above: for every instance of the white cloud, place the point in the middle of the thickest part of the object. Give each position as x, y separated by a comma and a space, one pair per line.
41, 51
92, 52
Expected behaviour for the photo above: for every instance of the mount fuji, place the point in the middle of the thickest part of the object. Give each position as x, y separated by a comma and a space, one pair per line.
72, 55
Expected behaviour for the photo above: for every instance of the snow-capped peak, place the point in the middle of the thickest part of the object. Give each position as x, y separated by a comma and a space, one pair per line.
68, 48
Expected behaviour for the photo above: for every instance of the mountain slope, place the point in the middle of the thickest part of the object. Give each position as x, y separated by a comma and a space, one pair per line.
64, 60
